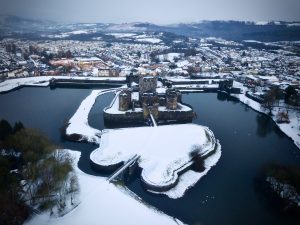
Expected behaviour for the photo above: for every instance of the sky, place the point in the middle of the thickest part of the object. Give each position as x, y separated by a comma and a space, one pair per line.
154, 11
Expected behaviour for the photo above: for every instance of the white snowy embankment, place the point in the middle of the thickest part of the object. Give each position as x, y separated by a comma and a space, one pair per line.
30, 81
43, 81
190, 178
78, 124
290, 129
164, 152
104, 203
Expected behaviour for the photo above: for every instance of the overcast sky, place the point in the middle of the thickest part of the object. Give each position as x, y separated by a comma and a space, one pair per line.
155, 11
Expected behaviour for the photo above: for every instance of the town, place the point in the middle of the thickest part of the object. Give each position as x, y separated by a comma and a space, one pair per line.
269, 71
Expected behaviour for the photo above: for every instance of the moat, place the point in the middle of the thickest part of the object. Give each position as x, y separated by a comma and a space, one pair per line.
226, 195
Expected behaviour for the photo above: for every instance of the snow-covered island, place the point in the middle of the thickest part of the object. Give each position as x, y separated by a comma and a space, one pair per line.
165, 152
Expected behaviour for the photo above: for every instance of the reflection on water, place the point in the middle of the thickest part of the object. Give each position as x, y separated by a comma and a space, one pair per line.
264, 125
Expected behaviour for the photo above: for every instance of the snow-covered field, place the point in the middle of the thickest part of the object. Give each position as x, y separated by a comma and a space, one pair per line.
290, 129
104, 203
164, 151
149, 40
140, 38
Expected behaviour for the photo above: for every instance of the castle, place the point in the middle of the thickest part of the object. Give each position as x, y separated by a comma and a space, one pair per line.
138, 101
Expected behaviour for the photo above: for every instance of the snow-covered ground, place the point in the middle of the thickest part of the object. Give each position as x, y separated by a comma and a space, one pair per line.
32, 81
78, 124
195, 86
290, 129
164, 151
149, 40
43, 81
122, 35
104, 203
190, 178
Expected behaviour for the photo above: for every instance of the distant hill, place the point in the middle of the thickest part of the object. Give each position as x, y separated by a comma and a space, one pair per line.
21, 24
237, 31
229, 30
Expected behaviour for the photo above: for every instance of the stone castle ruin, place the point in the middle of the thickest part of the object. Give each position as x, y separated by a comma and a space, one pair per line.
138, 101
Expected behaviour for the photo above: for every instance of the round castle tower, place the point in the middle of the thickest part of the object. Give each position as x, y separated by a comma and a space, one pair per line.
172, 99
124, 100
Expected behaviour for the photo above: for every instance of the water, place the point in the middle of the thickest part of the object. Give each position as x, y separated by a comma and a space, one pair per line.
226, 195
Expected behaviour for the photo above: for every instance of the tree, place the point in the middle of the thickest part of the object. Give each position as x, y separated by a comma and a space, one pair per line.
17, 127
173, 66
190, 52
43, 177
269, 100
5, 129
289, 91
196, 156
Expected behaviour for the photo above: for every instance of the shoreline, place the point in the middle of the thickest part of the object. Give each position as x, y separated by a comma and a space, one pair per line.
14, 84
287, 129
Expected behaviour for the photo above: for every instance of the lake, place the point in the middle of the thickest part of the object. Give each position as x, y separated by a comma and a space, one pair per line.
226, 195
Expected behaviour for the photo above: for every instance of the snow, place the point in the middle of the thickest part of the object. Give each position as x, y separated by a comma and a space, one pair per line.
170, 56
262, 23
195, 86
253, 41
164, 150
43, 81
135, 96
78, 32
122, 35
293, 24
190, 178
150, 40
183, 63
290, 129
125, 27
105, 203
78, 124
180, 107
31, 81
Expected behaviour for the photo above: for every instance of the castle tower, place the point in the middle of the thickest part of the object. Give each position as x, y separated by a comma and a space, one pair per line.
171, 100
147, 84
124, 100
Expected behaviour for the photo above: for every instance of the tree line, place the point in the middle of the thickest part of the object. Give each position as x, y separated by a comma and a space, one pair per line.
34, 175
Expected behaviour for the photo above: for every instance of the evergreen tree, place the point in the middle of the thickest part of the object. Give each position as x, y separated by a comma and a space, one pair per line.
5, 129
